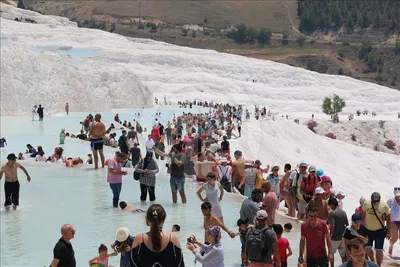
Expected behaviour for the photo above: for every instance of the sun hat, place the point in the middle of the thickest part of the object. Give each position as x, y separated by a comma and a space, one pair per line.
261, 215
334, 191
122, 234
319, 190
356, 218
325, 178
320, 173
303, 163
223, 160
342, 193
312, 168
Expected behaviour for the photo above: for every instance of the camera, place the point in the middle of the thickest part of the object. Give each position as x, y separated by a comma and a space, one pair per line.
190, 240
167, 165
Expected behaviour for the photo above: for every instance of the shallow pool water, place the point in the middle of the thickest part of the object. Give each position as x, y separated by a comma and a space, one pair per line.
82, 197
69, 50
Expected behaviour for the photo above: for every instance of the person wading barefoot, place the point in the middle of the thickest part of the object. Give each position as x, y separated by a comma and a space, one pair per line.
11, 185
96, 134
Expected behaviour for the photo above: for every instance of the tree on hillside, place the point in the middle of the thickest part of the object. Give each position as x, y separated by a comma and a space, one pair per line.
264, 36
301, 40
285, 40
397, 49
333, 106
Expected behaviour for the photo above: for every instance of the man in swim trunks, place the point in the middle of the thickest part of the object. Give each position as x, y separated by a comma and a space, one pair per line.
212, 220
96, 134
126, 207
11, 185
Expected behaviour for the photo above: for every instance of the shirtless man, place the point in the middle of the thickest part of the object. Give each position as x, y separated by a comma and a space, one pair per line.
96, 134
212, 220
11, 185
126, 207
238, 171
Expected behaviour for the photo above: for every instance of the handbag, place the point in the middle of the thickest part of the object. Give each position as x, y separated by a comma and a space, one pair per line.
136, 174
376, 215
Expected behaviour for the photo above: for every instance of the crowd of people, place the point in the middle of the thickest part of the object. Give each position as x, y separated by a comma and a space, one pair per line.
200, 149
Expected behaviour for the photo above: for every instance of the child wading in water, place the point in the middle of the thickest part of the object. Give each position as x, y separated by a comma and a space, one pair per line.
62, 136
102, 259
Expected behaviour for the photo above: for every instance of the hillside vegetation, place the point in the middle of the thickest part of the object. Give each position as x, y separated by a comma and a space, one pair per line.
333, 14
348, 37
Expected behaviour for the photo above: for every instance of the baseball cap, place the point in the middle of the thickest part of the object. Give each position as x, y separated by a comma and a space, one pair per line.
319, 190
356, 218
261, 215
375, 197
312, 168
341, 192
325, 178
334, 191
257, 162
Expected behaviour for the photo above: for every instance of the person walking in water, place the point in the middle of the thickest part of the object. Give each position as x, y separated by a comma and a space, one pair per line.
62, 136
40, 112
34, 112
11, 185
96, 134
67, 108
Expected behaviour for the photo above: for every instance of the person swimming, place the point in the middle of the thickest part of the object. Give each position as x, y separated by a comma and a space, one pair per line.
71, 162
124, 206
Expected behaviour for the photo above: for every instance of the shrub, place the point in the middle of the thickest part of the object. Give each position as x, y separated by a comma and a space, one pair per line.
153, 27
311, 125
113, 27
353, 137
312, 42
397, 49
390, 144
381, 124
194, 34
141, 26
185, 32
341, 54
285, 40
331, 135
340, 71
264, 36
376, 148
206, 33
301, 40
346, 43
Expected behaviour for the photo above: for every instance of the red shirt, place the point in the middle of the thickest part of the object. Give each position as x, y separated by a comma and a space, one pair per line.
204, 136
310, 184
315, 239
283, 244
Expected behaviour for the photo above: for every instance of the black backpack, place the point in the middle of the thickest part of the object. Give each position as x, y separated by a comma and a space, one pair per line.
255, 243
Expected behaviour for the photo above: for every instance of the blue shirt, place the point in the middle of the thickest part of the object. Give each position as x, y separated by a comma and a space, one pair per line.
125, 256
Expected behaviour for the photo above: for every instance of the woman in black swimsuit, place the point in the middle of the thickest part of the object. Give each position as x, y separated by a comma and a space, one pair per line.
156, 248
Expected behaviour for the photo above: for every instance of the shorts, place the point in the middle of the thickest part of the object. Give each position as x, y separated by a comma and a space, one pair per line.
302, 206
96, 144
242, 241
338, 245
377, 237
177, 184
397, 223
321, 262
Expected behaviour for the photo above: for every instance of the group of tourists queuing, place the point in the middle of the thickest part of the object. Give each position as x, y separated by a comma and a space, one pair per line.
200, 149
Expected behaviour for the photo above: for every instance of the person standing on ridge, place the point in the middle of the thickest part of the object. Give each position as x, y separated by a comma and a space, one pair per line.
40, 112
96, 134
11, 185
67, 108
34, 112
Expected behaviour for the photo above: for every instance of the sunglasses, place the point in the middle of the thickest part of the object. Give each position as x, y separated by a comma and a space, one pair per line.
396, 189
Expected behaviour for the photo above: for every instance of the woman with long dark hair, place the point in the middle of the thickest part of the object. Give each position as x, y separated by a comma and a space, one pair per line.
147, 168
156, 248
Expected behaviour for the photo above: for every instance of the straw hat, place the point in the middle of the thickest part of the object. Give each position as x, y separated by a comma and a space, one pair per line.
122, 234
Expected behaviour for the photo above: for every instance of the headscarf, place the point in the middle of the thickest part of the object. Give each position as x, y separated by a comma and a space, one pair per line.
148, 163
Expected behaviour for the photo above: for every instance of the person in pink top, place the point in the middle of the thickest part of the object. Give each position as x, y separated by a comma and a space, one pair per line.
270, 202
114, 176
359, 210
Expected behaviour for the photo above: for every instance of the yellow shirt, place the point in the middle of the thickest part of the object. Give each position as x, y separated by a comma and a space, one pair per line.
382, 210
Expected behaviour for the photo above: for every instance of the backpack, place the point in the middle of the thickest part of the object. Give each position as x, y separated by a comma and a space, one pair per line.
224, 178
255, 243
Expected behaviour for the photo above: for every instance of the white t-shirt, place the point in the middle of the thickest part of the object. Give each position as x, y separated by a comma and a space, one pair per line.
225, 170
150, 143
41, 158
